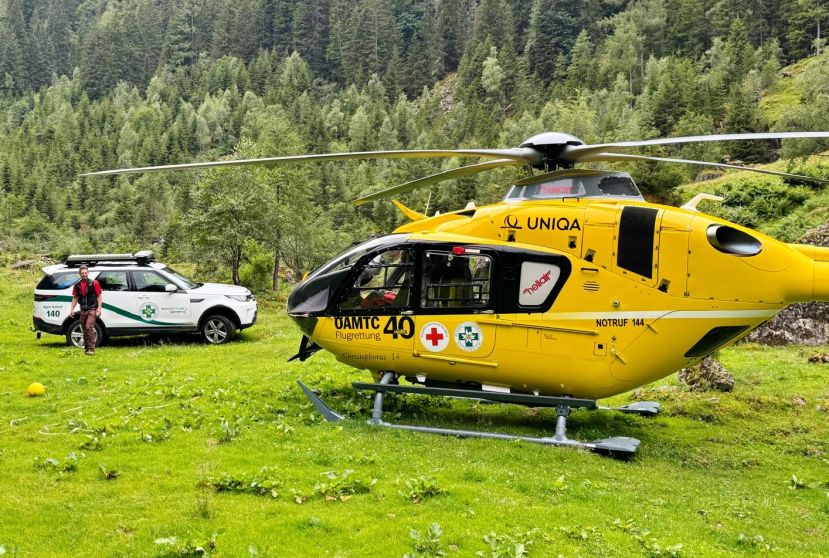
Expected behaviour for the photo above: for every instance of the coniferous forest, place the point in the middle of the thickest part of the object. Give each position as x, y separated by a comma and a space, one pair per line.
95, 84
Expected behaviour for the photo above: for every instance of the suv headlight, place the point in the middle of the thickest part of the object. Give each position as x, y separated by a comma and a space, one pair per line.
242, 298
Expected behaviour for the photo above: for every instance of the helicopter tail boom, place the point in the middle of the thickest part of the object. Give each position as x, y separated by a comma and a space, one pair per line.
821, 281
820, 275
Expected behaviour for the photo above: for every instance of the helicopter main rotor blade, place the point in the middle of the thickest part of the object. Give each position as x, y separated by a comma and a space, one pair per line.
626, 157
439, 177
585, 153
519, 155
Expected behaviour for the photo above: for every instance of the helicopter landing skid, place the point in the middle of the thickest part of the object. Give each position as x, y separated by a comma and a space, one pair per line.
641, 408
617, 446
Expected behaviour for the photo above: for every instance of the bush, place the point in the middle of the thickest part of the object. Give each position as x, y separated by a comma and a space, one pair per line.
257, 273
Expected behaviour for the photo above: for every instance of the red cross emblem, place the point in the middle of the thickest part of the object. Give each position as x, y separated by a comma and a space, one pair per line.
434, 336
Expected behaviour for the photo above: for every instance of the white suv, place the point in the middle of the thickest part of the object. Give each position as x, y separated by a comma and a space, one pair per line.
141, 296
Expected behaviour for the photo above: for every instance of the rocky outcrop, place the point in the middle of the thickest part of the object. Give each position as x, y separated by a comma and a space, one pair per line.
819, 236
707, 375
803, 324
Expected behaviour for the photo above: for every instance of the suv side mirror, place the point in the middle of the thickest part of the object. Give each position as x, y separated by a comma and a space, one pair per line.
170, 288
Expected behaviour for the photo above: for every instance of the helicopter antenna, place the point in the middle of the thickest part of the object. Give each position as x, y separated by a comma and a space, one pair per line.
426, 211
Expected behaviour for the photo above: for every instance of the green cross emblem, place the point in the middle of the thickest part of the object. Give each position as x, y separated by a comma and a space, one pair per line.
468, 336
148, 311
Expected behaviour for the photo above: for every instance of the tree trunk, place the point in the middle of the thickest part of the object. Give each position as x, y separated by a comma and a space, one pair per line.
235, 265
275, 285
277, 245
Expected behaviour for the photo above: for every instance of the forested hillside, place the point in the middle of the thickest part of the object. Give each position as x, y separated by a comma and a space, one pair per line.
94, 84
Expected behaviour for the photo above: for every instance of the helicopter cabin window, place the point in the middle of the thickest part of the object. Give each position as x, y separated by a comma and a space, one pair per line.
538, 279
384, 282
560, 188
576, 184
456, 280
618, 186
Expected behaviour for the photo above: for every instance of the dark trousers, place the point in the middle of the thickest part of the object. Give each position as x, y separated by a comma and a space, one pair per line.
88, 326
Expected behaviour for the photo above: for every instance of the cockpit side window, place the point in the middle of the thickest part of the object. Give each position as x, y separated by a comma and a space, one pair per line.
455, 281
383, 283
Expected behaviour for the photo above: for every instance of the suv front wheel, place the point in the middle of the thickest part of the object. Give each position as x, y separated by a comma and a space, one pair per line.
216, 329
74, 335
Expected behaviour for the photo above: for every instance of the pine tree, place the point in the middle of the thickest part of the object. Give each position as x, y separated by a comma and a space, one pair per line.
281, 40
310, 33
223, 38
453, 28
372, 40
552, 33
582, 69
807, 21
744, 116
180, 40
738, 50
103, 54
14, 76
493, 28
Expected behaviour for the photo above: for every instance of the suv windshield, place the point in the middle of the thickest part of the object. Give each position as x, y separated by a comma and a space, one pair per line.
187, 282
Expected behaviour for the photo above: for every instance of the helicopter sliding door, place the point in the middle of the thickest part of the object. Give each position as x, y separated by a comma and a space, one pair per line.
456, 287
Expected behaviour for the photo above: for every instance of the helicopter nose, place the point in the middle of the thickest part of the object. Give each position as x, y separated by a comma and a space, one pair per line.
311, 298
297, 300
302, 302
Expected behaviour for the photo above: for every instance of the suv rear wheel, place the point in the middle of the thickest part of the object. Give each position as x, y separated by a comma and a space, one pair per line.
74, 335
216, 329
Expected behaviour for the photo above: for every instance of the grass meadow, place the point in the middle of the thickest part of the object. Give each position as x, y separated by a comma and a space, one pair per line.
173, 448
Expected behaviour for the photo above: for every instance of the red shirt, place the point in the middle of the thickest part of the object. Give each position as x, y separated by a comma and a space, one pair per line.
82, 287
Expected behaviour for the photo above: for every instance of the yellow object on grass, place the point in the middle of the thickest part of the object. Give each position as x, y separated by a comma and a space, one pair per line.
36, 389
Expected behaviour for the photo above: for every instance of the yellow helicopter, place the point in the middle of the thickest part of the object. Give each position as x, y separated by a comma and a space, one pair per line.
571, 289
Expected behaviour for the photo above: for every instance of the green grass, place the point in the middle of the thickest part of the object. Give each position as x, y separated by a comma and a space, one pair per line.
714, 472
785, 93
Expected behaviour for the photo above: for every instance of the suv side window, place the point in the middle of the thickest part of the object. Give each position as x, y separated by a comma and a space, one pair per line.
455, 281
58, 281
148, 282
113, 281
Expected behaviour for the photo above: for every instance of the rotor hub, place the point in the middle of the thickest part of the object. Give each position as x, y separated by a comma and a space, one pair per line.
552, 146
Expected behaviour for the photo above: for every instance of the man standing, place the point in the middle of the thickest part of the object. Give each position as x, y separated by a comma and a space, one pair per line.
88, 294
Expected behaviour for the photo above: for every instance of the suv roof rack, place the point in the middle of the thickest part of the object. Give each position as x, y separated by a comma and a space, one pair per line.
142, 258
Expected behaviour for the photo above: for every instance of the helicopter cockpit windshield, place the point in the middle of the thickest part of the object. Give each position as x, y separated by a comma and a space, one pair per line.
578, 183
313, 293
